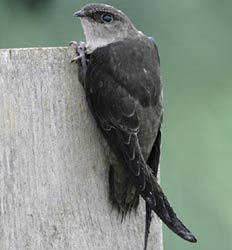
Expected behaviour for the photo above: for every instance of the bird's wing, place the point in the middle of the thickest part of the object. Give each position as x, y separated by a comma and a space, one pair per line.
153, 162
114, 109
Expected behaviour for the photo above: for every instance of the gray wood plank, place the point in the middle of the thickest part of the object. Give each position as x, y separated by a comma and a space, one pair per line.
53, 162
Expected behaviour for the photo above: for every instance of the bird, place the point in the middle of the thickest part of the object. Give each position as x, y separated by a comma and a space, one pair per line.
119, 68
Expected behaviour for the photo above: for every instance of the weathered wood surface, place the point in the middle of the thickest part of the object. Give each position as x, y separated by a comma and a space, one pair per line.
53, 162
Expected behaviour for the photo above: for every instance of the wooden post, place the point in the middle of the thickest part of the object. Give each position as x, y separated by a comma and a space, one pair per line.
53, 162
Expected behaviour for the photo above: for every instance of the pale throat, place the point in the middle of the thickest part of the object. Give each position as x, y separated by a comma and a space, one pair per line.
97, 37
93, 43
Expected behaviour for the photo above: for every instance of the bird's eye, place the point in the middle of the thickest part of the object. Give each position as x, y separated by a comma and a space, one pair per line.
107, 18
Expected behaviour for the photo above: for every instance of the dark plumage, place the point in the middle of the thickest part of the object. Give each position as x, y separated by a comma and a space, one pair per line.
124, 93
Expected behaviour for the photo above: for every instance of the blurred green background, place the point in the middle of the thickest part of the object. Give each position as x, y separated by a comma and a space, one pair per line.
194, 39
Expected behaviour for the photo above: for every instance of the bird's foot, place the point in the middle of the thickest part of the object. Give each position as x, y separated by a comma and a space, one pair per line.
80, 49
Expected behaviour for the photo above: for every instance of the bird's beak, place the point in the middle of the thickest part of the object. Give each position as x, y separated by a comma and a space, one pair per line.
79, 13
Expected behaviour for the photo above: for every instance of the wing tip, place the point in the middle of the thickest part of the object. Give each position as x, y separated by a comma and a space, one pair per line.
191, 238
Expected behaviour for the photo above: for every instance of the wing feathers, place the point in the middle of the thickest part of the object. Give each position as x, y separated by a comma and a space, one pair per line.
113, 104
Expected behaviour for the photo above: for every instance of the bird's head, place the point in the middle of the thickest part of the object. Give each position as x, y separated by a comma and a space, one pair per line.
103, 24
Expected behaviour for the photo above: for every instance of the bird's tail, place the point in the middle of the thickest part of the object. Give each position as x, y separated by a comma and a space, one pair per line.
123, 194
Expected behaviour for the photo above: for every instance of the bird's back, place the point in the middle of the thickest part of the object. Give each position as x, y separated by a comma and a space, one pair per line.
134, 65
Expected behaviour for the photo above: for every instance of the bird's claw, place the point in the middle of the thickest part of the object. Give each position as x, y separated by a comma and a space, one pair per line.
80, 52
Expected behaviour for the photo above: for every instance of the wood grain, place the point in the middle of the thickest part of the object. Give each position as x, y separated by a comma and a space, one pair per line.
53, 162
